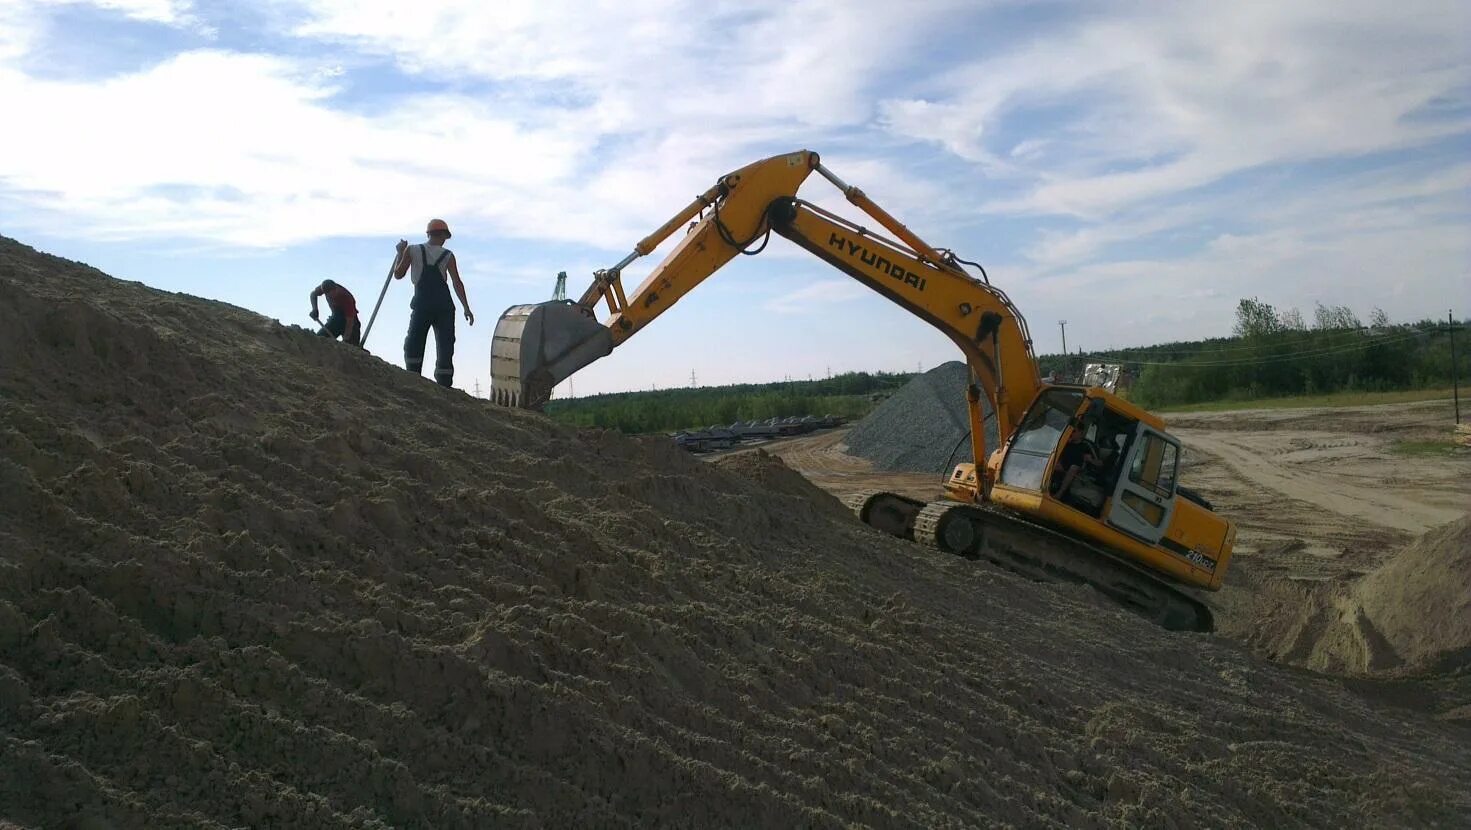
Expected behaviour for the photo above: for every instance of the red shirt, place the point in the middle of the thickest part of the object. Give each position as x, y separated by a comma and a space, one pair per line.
340, 300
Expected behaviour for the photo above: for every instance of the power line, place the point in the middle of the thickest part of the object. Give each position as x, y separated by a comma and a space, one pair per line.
1342, 336
1280, 358
1387, 340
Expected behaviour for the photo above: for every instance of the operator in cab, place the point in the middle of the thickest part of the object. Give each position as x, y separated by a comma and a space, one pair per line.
1070, 463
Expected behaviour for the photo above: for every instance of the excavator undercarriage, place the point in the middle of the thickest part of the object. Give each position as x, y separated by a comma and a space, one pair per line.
1030, 549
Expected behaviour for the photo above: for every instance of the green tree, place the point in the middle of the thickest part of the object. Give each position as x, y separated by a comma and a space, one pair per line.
1328, 318
1255, 318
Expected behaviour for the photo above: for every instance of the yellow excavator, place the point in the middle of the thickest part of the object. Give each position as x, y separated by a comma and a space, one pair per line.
1083, 487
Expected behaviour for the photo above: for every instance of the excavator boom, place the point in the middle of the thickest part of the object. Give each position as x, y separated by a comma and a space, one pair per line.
536, 347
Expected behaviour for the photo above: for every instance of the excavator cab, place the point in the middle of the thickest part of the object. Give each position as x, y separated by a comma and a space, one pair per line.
1129, 500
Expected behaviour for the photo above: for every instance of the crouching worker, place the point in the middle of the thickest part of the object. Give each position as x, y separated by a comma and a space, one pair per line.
433, 266
343, 320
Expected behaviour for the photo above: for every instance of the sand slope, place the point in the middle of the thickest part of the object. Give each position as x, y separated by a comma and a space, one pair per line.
253, 578
1409, 616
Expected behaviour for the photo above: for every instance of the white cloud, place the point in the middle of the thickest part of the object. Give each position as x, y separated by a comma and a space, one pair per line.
676, 93
1297, 255
172, 12
816, 298
18, 30
576, 141
1166, 98
242, 149
654, 62
593, 122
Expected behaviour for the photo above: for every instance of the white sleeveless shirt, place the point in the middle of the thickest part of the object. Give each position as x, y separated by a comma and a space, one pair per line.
416, 260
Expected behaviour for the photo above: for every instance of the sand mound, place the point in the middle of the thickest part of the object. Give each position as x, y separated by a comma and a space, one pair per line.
1409, 616
249, 577
924, 427
774, 476
1420, 600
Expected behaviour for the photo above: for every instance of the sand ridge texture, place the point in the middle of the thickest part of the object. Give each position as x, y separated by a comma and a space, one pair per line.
1408, 616
250, 577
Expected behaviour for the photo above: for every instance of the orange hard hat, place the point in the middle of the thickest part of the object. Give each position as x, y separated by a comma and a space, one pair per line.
438, 225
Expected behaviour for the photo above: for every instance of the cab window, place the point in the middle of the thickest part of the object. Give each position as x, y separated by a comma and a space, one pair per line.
1043, 426
1154, 465
1037, 437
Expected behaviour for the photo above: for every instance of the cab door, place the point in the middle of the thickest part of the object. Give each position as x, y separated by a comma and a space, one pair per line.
1144, 499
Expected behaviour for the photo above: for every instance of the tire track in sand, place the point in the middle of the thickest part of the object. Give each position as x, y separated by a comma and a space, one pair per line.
1327, 491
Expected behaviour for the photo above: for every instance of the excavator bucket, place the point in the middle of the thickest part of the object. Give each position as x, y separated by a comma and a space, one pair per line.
535, 347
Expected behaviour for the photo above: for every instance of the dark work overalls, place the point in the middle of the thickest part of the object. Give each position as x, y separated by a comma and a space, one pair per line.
432, 308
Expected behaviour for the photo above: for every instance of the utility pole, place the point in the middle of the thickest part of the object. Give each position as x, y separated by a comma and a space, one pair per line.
1062, 324
561, 291
692, 378
1455, 375
477, 387
571, 390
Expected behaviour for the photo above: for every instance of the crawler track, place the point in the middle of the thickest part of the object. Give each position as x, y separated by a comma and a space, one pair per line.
1030, 549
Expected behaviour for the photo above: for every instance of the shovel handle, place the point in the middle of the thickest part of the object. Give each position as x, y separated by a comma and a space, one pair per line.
397, 255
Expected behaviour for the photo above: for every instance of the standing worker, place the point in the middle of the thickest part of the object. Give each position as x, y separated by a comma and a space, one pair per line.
343, 321
432, 306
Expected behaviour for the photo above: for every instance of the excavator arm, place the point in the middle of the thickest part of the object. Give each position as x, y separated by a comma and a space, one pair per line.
977, 317
537, 346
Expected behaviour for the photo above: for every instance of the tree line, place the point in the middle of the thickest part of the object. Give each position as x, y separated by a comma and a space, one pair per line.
850, 395
1277, 353
1271, 353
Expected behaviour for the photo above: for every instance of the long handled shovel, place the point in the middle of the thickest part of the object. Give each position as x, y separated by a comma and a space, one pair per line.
381, 294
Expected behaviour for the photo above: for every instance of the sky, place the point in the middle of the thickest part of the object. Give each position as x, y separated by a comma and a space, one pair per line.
1133, 168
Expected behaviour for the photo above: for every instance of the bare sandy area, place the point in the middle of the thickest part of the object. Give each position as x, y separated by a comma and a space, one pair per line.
249, 577
1329, 517
1324, 510
824, 460
1326, 478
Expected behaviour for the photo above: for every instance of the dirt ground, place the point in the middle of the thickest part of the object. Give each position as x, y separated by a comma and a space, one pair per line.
252, 578
1319, 499
822, 457
1323, 504
1324, 481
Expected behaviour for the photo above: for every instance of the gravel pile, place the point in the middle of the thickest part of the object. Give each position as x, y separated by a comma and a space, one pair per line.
924, 427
